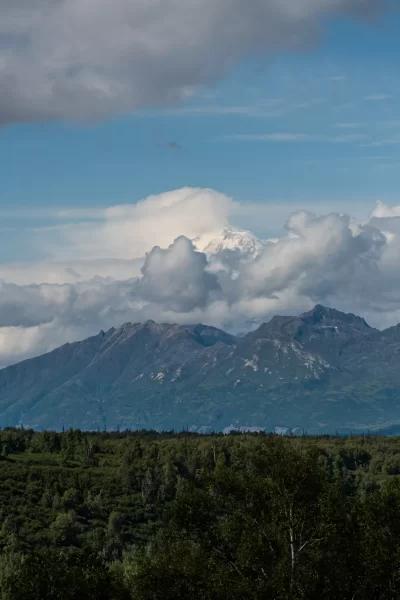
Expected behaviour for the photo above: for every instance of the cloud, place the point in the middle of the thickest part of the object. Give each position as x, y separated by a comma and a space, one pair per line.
269, 108
296, 137
82, 60
329, 258
274, 137
386, 142
323, 257
129, 231
74, 271
176, 279
112, 241
82, 243
378, 97
349, 125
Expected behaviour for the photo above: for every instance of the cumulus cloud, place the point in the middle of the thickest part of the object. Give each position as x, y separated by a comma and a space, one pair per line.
328, 259
207, 273
112, 242
176, 278
82, 59
129, 231
95, 240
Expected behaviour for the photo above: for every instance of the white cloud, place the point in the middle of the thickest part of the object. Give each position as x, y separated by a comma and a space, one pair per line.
295, 137
93, 242
274, 137
269, 108
85, 59
377, 97
129, 231
349, 125
111, 242
386, 142
333, 259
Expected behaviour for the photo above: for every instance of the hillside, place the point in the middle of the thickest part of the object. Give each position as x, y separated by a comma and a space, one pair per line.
321, 371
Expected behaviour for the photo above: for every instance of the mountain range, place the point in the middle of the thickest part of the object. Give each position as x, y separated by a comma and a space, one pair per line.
322, 371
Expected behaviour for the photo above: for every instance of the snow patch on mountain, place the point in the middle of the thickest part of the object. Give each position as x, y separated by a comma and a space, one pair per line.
252, 362
242, 242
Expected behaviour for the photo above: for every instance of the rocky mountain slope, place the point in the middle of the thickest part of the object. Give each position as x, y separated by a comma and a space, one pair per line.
321, 371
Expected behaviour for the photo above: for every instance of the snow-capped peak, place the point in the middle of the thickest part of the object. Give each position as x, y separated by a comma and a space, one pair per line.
382, 211
243, 242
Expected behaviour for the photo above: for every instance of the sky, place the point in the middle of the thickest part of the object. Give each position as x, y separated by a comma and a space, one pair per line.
125, 125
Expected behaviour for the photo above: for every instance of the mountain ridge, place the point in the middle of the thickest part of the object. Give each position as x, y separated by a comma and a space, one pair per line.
322, 370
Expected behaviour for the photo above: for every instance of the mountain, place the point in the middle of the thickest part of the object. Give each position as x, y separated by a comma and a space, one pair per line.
243, 244
324, 331
321, 371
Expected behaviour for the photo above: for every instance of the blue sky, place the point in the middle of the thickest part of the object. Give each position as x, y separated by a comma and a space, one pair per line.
264, 113
321, 126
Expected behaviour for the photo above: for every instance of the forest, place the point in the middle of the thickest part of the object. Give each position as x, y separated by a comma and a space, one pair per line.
141, 515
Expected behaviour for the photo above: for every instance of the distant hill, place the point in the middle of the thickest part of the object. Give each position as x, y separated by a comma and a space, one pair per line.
321, 371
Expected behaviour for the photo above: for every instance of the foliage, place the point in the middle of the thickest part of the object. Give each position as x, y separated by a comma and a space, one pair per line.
145, 515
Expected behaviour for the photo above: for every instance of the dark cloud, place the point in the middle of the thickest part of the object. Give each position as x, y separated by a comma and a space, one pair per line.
69, 59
